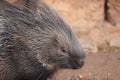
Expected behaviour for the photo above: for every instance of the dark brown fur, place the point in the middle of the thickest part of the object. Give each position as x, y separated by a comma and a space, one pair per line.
34, 41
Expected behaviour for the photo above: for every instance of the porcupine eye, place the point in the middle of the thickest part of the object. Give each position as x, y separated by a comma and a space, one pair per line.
63, 49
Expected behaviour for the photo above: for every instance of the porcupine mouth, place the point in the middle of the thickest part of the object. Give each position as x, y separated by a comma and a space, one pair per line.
78, 64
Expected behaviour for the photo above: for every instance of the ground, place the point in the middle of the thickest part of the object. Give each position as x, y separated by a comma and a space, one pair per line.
98, 66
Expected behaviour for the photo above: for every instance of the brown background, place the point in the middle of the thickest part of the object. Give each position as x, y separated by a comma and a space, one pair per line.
97, 24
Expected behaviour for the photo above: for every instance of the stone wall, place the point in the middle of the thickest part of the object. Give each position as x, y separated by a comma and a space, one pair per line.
96, 22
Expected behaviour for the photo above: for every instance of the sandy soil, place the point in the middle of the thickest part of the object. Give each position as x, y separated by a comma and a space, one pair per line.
99, 66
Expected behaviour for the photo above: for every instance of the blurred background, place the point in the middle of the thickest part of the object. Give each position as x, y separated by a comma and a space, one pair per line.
96, 22
97, 25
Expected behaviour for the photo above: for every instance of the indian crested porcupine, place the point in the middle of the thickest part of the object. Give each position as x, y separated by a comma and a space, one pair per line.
35, 41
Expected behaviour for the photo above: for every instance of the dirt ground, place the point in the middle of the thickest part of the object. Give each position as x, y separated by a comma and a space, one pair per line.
98, 66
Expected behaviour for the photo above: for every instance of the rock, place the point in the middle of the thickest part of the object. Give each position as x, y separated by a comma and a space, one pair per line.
114, 38
89, 46
81, 29
115, 43
80, 11
87, 18
114, 11
98, 36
